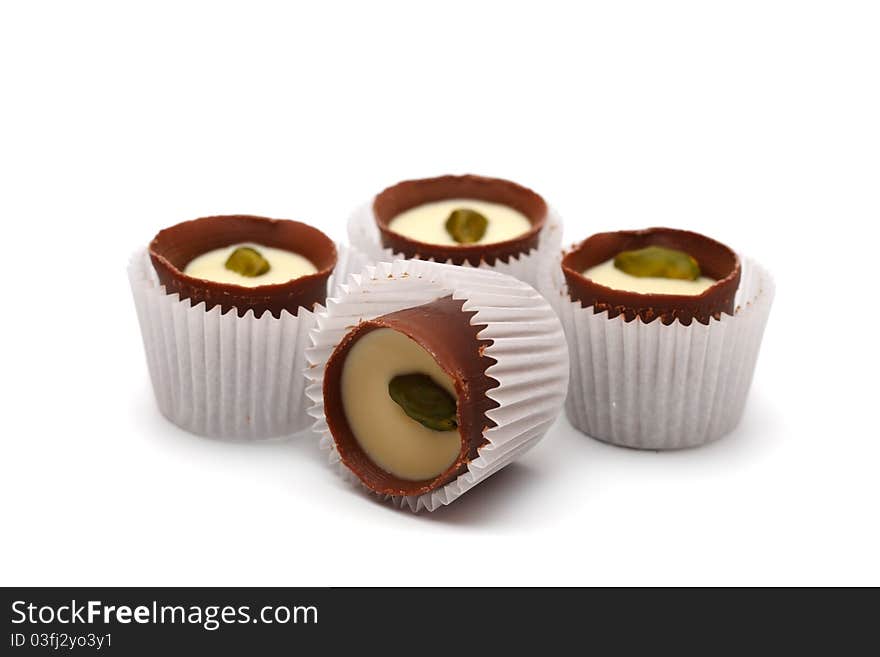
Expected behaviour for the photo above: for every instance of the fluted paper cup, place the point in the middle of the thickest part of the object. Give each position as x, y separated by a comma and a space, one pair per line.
527, 343
364, 235
656, 386
220, 375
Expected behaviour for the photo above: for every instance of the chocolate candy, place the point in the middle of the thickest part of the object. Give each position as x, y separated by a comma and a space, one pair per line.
716, 261
173, 248
411, 193
390, 450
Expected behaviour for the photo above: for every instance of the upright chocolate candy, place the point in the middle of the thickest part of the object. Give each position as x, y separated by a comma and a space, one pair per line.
411, 193
173, 248
716, 261
424, 356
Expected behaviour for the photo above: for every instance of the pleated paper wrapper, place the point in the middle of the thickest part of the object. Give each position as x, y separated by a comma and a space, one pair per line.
221, 375
364, 235
528, 344
656, 386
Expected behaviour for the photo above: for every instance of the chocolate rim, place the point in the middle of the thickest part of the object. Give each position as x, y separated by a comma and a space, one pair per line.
174, 247
410, 193
716, 260
444, 330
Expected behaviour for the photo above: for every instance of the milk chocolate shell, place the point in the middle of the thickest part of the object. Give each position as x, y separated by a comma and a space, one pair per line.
173, 248
443, 329
411, 193
716, 261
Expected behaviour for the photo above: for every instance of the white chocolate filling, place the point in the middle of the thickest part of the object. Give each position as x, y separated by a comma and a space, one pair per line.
427, 222
610, 276
389, 437
283, 266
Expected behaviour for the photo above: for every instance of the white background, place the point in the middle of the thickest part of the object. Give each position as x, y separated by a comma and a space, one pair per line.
755, 122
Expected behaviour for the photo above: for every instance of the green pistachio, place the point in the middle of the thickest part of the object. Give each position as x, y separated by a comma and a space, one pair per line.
658, 262
424, 401
247, 262
466, 226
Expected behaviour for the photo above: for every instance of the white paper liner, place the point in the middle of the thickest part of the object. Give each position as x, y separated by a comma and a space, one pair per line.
528, 343
221, 375
656, 386
364, 235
